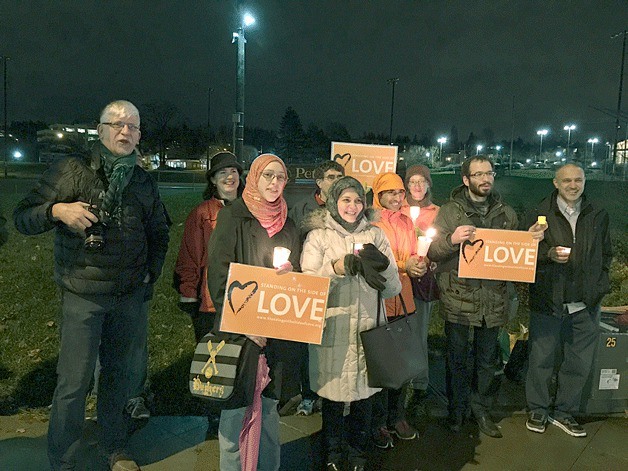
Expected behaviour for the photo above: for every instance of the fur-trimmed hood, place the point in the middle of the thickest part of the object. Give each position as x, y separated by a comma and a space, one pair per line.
319, 219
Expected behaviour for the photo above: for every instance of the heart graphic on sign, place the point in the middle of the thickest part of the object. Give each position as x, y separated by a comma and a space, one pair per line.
342, 159
471, 249
240, 294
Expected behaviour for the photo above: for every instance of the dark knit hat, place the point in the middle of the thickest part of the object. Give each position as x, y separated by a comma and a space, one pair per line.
223, 160
419, 170
334, 193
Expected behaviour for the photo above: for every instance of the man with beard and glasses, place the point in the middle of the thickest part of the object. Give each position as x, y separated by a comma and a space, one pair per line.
471, 306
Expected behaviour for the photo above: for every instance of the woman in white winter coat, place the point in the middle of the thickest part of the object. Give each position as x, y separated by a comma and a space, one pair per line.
338, 367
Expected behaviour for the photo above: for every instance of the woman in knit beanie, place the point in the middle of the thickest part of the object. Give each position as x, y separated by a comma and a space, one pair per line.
419, 186
389, 412
337, 367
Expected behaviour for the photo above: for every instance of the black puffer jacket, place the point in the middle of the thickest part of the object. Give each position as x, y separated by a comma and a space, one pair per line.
134, 246
589, 261
468, 301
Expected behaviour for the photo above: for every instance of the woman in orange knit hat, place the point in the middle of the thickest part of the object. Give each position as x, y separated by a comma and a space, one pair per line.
388, 197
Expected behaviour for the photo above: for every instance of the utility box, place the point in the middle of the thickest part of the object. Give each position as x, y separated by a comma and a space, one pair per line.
606, 392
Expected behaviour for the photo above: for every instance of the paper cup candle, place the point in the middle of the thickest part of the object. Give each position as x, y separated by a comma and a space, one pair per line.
414, 213
356, 247
541, 220
424, 242
280, 256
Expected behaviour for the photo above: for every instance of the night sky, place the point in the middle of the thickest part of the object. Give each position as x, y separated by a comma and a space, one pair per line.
458, 62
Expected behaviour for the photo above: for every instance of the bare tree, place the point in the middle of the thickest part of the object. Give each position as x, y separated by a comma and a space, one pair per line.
158, 117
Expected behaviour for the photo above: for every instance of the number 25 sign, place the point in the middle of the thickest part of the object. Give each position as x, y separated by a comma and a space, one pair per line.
495, 254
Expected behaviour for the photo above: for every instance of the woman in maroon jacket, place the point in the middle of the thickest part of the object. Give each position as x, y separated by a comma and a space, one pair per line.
190, 274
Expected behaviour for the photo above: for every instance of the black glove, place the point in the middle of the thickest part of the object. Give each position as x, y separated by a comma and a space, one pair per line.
373, 277
373, 257
353, 265
190, 308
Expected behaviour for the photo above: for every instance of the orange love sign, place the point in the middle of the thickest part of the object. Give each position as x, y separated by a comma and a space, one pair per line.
259, 302
364, 161
495, 254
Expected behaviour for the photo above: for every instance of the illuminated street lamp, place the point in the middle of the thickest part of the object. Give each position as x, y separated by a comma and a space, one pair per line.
592, 141
541, 133
569, 128
441, 140
238, 118
478, 148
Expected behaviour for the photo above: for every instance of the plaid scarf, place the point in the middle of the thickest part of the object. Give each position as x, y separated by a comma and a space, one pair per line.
118, 171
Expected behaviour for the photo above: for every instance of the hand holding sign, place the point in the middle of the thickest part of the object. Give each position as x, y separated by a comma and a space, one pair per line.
461, 234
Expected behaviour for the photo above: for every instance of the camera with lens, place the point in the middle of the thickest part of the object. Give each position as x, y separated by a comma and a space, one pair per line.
95, 234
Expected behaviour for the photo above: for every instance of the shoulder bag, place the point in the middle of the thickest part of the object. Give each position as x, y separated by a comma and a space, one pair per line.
223, 370
392, 350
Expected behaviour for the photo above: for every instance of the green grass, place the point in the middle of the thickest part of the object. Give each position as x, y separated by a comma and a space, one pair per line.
30, 310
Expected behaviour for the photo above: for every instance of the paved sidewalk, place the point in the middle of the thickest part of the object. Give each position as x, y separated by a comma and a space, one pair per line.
178, 443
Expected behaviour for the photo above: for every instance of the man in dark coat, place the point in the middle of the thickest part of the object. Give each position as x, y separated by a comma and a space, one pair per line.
111, 239
469, 304
572, 277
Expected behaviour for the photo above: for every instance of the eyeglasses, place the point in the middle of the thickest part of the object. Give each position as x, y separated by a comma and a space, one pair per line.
420, 182
268, 176
333, 177
119, 126
483, 174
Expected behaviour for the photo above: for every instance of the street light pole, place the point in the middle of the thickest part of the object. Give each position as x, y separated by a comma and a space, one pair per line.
238, 118
621, 83
441, 140
542, 133
393, 82
568, 128
209, 109
6, 129
592, 141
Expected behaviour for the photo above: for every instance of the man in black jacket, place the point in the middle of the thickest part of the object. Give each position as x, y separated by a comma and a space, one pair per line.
111, 239
572, 277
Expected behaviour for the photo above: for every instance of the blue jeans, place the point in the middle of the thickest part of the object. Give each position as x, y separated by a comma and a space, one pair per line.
472, 384
269, 445
92, 326
569, 342
138, 361
423, 309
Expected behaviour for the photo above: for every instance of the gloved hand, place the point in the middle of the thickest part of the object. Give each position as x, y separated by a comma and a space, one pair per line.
353, 265
190, 308
373, 257
373, 277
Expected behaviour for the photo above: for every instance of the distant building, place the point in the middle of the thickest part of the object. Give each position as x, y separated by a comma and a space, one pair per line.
59, 140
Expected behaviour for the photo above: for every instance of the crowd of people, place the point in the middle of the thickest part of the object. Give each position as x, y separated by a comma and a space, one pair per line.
111, 238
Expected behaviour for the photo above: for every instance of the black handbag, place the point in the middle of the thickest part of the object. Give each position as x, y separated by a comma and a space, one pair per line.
223, 369
425, 288
392, 350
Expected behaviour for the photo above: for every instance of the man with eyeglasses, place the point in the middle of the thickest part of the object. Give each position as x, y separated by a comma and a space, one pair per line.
324, 176
471, 305
111, 238
572, 277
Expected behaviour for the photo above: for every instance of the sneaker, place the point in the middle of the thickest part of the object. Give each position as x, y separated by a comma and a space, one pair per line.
569, 426
382, 438
536, 422
122, 462
306, 407
404, 430
137, 409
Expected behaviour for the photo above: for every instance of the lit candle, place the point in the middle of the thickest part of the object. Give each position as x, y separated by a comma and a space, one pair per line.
356, 247
424, 242
280, 256
541, 220
414, 213
563, 250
